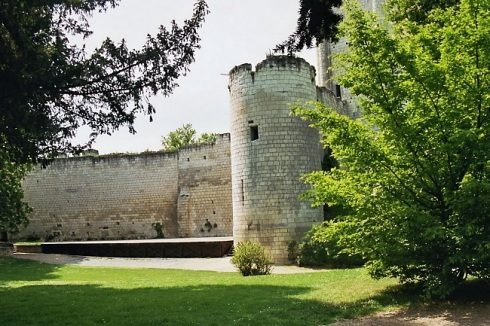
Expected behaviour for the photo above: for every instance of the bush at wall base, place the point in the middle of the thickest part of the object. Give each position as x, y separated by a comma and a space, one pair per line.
251, 259
326, 245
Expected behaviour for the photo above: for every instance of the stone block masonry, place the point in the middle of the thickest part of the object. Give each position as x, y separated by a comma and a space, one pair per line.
330, 92
204, 199
270, 151
128, 196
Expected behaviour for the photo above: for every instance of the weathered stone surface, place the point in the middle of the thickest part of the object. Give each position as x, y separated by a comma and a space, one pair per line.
266, 171
329, 92
125, 196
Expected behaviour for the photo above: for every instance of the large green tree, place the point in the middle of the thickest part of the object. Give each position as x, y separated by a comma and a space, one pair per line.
50, 86
13, 209
415, 170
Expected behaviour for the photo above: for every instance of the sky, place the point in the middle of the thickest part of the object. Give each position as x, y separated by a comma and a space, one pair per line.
234, 32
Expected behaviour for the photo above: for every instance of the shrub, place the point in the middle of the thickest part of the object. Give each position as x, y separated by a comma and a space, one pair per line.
324, 245
251, 259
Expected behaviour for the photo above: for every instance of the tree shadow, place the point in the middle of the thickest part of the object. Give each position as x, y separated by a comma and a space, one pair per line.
186, 305
468, 305
203, 304
25, 270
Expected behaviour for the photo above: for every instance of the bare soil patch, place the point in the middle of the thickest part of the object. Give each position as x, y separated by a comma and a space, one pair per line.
430, 315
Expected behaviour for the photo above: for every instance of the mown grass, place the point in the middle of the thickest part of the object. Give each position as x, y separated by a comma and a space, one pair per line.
32, 293
29, 243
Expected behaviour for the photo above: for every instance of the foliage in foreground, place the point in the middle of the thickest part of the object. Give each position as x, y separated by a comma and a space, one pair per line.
318, 20
51, 86
415, 172
13, 209
250, 259
325, 245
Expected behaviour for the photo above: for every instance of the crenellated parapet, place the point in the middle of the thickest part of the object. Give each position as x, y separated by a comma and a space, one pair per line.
270, 151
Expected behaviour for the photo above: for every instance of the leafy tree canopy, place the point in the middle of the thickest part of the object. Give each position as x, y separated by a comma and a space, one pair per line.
13, 209
50, 87
319, 19
185, 136
416, 10
415, 171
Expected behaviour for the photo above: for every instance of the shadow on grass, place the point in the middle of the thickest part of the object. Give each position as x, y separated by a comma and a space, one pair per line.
468, 305
187, 305
24, 270
165, 304
201, 304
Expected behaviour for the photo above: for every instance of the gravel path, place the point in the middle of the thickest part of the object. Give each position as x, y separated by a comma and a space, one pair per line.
202, 264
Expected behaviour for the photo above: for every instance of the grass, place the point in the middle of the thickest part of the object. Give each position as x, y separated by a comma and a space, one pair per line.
29, 243
32, 293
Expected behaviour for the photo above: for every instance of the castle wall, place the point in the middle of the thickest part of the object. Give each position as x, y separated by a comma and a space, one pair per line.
126, 196
204, 201
330, 93
266, 171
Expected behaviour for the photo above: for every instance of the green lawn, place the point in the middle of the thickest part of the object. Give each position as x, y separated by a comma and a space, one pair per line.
40, 294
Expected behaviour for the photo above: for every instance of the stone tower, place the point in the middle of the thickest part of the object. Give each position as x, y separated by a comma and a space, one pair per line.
325, 50
331, 93
270, 151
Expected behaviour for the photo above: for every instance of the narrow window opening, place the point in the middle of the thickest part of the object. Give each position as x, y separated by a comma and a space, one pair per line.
254, 133
204, 156
188, 159
338, 91
243, 194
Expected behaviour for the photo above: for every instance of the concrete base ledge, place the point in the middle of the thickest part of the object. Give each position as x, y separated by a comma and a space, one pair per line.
6, 249
156, 248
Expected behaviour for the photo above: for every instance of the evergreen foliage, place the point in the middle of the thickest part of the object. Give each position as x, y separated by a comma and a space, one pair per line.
13, 209
51, 87
415, 171
318, 21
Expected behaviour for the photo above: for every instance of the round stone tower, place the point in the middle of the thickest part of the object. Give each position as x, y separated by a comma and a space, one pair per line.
270, 151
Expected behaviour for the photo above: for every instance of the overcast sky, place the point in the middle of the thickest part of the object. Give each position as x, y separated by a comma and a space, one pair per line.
235, 32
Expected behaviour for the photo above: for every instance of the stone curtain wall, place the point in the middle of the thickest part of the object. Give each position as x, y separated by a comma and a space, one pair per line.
204, 203
270, 151
125, 196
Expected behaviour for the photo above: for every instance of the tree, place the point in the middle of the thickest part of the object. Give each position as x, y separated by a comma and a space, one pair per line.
416, 10
185, 136
318, 20
415, 171
13, 209
51, 87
